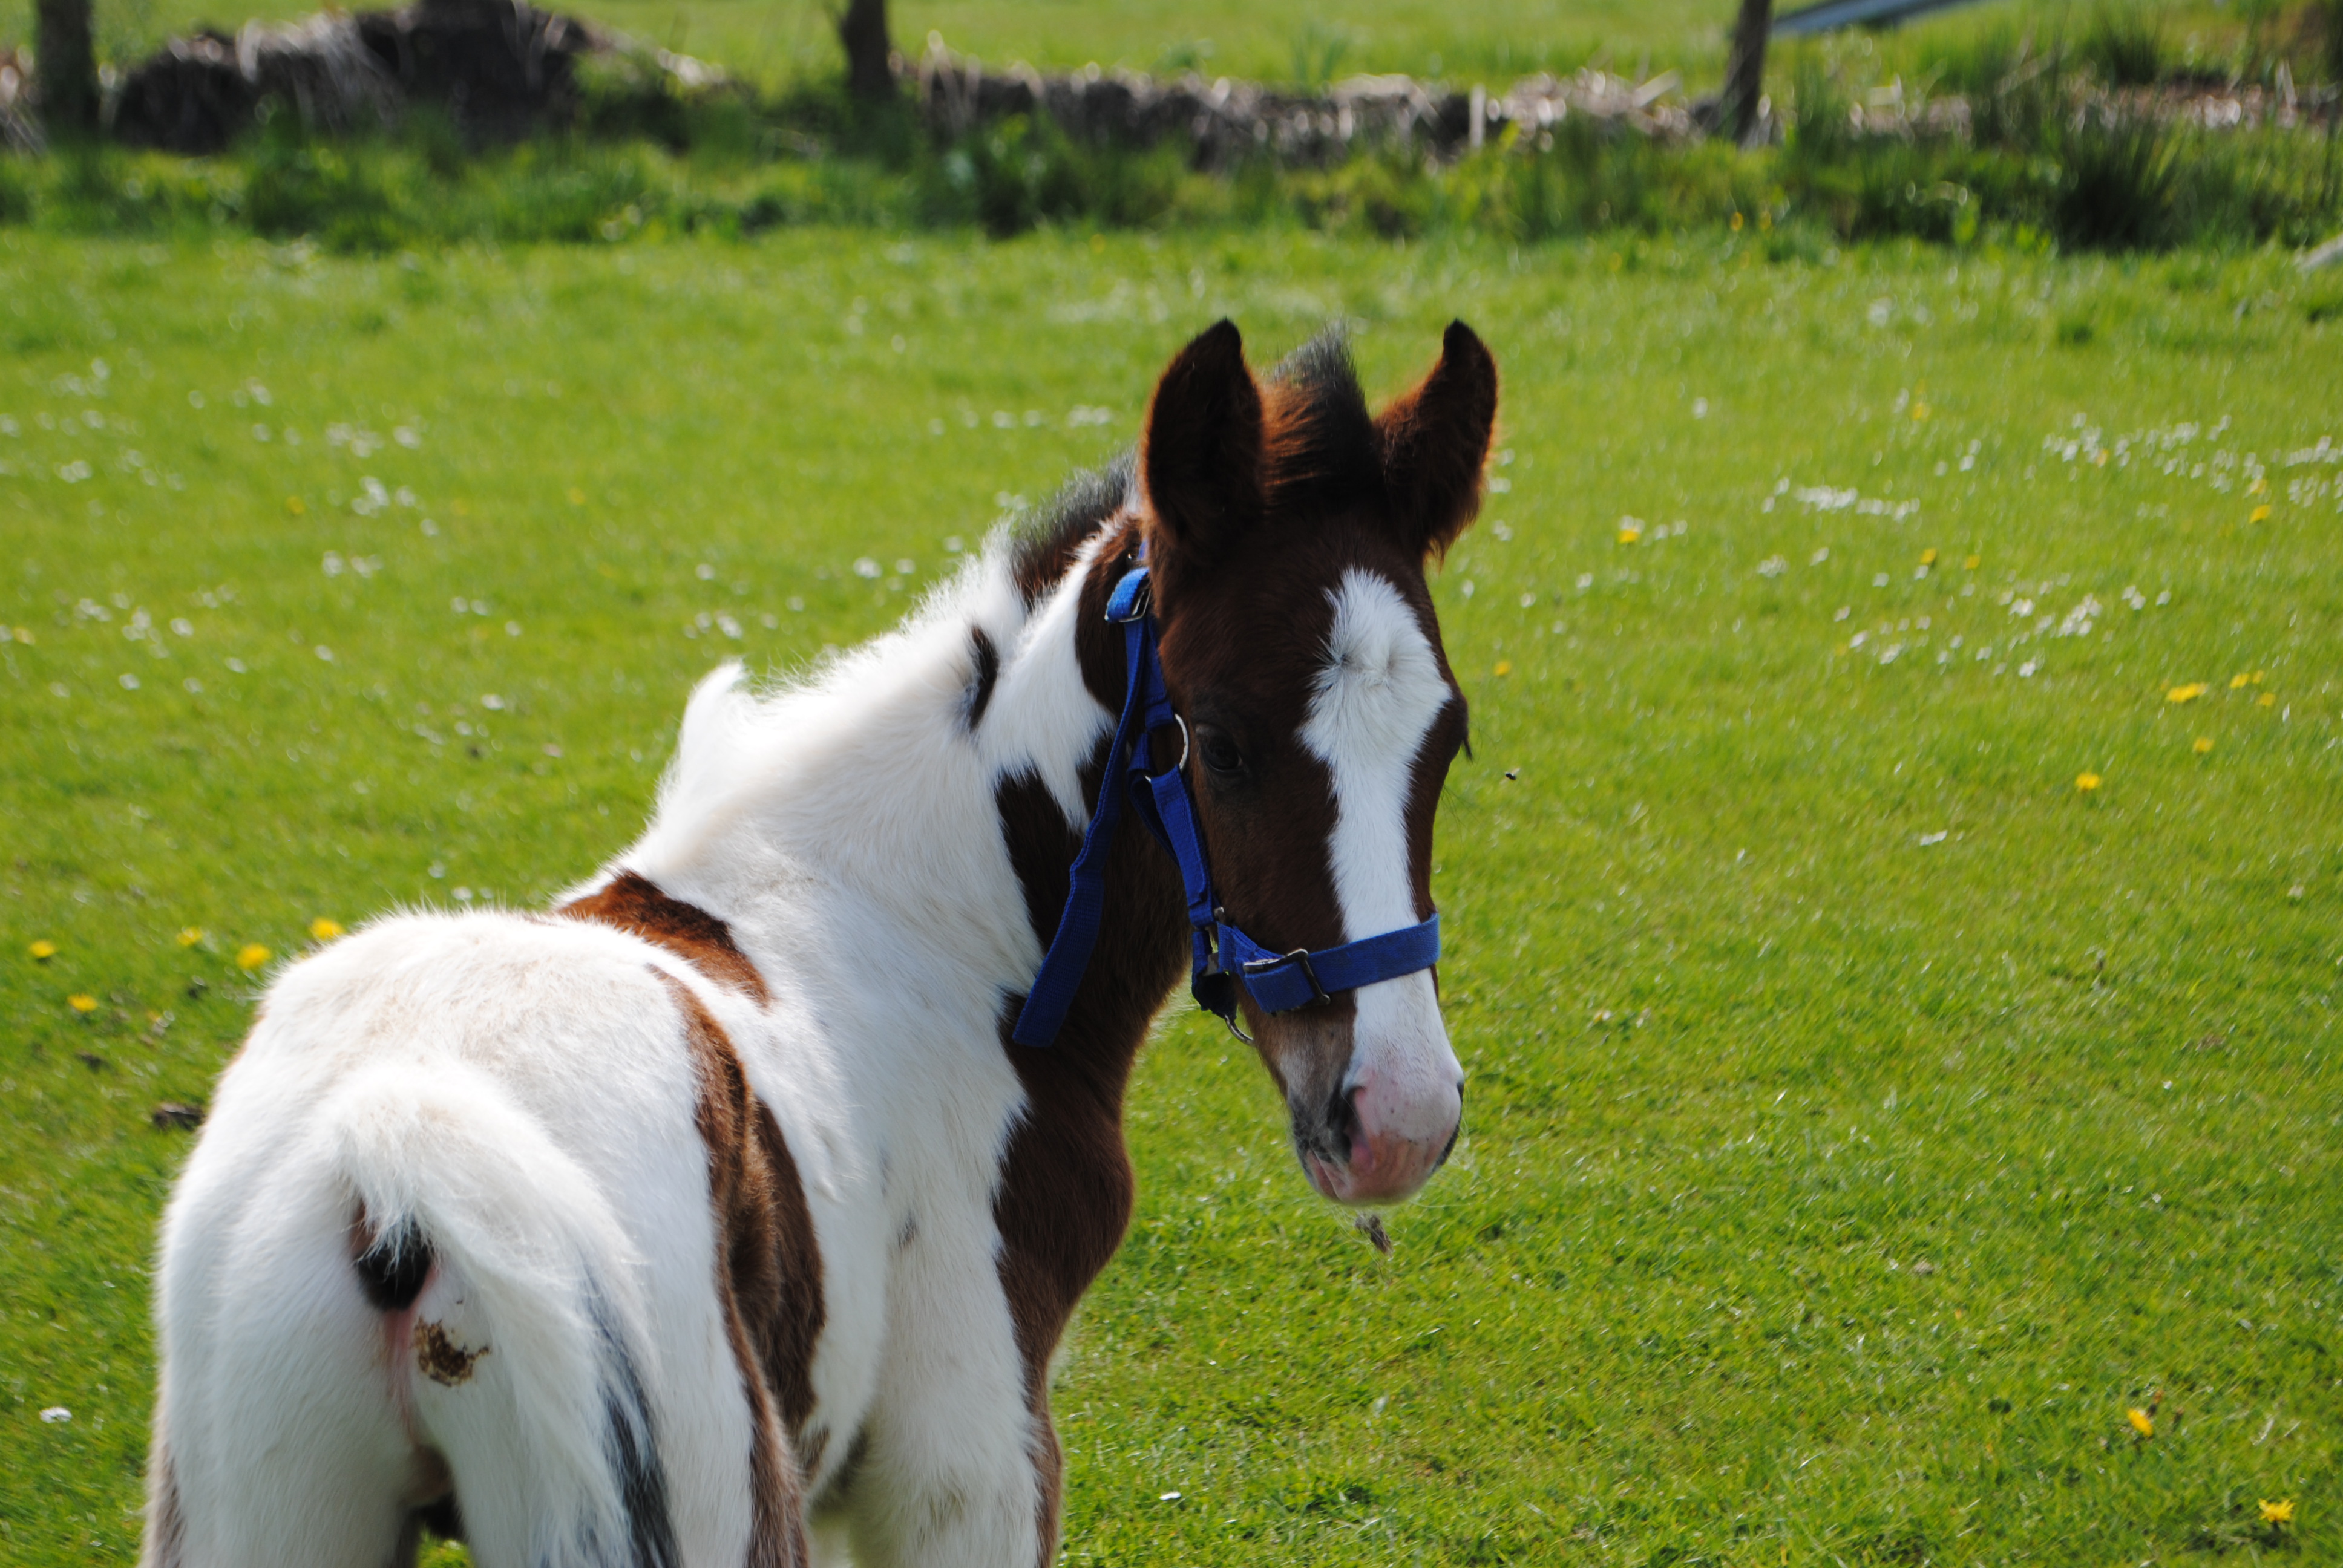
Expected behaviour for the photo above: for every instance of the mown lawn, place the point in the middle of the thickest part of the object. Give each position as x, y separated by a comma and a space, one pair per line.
1863, 1118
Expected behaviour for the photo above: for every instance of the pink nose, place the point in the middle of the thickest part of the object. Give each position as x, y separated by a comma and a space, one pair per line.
1396, 1145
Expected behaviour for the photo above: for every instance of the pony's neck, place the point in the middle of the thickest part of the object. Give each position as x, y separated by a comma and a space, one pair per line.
1142, 937
1066, 1187
894, 781
891, 786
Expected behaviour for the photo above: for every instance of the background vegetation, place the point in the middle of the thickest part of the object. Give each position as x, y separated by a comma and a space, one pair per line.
2038, 165
1863, 1117
777, 43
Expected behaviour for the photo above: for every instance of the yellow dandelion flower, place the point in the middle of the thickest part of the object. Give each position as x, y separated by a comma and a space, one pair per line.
2280, 1513
2267, 700
251, 956
1919, 410
190, 935
1927, 557
2100, 458
577, 496
1972, 564
1736, 223
82, 1001
2204, 744
2188, 693
324, 929
2260, 513
2141, 1421
1628, 535
2256, 677
295, 505
2239, 680
42, 950
1504, 666
2087, 782
2260, 484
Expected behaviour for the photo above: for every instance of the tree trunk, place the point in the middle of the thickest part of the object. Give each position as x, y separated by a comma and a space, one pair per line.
66, 69
1745, 74
862, 29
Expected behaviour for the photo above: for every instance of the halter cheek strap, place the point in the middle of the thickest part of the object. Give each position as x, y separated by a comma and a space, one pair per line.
1222, 957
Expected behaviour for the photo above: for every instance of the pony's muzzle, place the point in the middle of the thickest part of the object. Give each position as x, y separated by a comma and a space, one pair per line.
1377, 1097
1389, 1144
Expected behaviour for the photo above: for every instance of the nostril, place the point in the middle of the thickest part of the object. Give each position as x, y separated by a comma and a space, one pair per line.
1343, 1117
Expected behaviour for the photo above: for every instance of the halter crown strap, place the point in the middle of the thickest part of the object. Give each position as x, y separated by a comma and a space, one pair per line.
1222, 956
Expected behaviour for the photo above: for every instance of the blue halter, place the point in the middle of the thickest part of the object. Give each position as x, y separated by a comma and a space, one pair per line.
1224, 957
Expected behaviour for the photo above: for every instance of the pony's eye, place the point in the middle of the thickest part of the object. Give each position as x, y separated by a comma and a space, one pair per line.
1218, 752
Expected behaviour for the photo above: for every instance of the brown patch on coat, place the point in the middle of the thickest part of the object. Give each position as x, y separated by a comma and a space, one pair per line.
768, 1278
1066, 1184
443, 1361
984, 658
633, 903
166, 1542
431, 1485
1245, 607
1255, 501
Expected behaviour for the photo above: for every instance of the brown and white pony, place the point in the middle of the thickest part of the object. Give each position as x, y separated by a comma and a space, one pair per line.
713, 1217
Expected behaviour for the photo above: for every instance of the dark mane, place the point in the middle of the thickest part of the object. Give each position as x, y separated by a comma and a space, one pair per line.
1319, 447
1318, 443
1043, 543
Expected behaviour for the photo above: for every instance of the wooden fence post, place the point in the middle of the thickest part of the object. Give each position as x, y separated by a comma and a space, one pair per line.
862, 29
65, 69
1745, 73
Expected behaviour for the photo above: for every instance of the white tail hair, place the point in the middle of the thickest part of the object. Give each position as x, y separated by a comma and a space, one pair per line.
542, 1274
516, 1353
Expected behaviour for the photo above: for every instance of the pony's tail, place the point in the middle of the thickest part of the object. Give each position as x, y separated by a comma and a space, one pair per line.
505, 1289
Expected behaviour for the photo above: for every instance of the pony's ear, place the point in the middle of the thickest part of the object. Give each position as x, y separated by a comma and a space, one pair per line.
1436, 440
1200, 460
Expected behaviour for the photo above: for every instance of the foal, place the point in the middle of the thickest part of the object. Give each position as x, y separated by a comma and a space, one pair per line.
730, 1211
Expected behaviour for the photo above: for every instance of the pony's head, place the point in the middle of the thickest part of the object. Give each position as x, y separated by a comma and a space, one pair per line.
1289, 529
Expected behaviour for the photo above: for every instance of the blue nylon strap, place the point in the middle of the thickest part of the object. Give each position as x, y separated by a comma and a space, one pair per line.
1279, 982
1078, 926
1222, 957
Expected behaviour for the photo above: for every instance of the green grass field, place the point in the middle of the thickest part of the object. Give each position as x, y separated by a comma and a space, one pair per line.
1863, 1118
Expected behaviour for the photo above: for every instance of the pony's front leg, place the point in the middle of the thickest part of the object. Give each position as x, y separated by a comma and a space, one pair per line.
954, 1470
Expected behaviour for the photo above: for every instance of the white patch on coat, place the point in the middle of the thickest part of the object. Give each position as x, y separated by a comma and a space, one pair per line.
523, 1086
1377, 700
520, 1089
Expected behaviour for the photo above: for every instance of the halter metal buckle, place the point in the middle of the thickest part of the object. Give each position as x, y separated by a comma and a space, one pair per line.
1318, 996
1142, 605
1214, 969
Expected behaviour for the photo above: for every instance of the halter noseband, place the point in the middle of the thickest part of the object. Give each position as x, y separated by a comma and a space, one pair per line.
1223, 957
